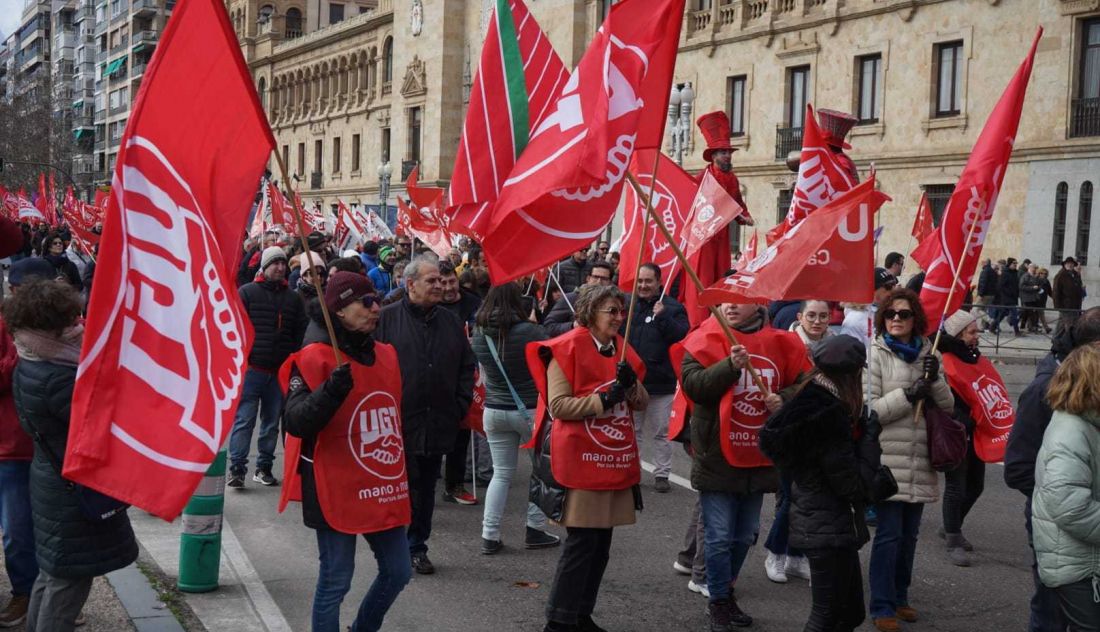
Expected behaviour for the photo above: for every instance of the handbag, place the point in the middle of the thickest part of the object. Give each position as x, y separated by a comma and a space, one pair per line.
946, 439
93, 505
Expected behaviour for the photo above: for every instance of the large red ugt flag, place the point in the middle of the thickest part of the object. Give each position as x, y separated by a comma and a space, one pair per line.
166, 339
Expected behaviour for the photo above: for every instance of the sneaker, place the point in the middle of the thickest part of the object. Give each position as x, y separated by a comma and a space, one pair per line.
459, 494
718, 616
491, 547
698, 588
797, 566
738, 618
236, 480
661, 486
956, 554
681, 568
264, 477
421, 564
775, 567
15, 614
539, 539
907, 614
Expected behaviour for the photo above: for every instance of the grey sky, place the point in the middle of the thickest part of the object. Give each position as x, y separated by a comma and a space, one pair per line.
10, 13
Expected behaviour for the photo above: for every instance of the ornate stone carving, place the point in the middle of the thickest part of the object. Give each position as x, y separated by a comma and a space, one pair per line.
416, 79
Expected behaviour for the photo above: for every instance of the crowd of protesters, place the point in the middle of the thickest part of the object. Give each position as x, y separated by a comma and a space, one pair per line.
450, 378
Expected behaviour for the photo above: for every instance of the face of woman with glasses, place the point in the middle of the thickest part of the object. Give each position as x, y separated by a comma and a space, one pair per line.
361, 315
899, 319
57, 247
609, 317
814, 318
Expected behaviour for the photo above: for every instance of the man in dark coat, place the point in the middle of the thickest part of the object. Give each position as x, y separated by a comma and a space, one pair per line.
1069, 293
570, 273
279, 323
1008, 295
1032, 417
437, 384
987, 292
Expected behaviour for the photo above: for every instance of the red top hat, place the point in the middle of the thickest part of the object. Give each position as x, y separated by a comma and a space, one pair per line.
836, 126
715, 127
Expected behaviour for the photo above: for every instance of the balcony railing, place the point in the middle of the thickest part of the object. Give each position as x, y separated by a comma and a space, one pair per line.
787, 139
1085, 118
144, 7
145, 37
138, 70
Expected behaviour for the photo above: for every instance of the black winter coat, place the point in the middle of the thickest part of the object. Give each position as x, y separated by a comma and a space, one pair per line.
278, 320
465, 307
437, 373
570, 274
66, 543
782, 314
1009, 287
987, 281
1032, 418
561, 316
832, 474
512, 352
652, 339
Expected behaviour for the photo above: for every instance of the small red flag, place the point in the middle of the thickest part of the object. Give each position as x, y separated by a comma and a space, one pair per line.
922, 223
712, 210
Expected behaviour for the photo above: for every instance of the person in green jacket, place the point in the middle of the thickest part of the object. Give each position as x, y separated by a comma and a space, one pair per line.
1065, 509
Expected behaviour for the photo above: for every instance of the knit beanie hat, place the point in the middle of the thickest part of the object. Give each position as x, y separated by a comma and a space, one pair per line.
271, 255
344, 288
313, 258
957, 322
384, 252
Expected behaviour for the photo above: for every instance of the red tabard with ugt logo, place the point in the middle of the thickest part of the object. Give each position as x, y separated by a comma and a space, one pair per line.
599, 452
983, 390
359, 457
778, 356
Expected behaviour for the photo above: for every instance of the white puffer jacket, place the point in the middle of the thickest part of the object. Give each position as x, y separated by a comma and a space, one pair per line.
905, 443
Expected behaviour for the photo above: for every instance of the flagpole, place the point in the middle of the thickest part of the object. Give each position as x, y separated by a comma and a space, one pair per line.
309, 258
641, 251
698, 284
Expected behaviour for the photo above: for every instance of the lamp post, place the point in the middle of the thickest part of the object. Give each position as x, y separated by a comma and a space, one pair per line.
384, 173
680, 105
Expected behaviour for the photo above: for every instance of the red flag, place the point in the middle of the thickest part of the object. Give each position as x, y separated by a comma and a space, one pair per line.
518, 79
922, 223
821, 177
24, 209
348, 232
166, 339
748, 254
42, 202
974, 200
412, 222
100, 200
829, 256
711, 211
280, 209
672, 198
566, 186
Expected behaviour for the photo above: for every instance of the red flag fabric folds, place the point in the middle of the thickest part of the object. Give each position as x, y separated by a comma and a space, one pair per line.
166, 338
711, 211
922, 223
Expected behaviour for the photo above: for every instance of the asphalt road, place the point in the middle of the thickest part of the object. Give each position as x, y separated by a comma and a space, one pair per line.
640, 592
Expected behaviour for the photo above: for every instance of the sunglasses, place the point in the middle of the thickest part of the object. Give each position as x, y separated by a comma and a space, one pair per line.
370, 300
899, 314
613, 311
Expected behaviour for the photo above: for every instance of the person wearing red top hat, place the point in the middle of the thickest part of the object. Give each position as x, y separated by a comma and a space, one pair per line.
835, 126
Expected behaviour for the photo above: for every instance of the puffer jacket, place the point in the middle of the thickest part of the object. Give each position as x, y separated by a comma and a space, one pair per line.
66, 543
905, 443
651, 336
1065, 513
278, 320
512, 353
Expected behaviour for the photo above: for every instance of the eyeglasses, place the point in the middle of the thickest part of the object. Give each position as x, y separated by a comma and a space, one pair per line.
816, 317
899, 314
612, 311
370, 300
600, 279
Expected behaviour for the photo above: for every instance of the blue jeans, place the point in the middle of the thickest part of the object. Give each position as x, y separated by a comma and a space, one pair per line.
892, 555
505, 430
781, 526
15, 521
260, 393
730, 524
337, 553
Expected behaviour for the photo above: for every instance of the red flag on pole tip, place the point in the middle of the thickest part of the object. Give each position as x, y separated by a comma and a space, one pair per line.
712, 210
922, 223
166, 339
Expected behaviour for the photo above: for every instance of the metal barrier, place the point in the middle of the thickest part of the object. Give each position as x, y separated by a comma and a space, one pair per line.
1034, 322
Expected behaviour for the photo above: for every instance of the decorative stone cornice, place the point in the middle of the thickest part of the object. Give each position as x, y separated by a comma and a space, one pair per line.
1075, 7
416, 79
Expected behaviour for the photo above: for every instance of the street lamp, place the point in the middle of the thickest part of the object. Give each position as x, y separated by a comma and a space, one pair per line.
680, 104
384, 173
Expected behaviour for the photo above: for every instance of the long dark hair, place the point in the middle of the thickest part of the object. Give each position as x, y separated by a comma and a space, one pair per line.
503, 307
849, 388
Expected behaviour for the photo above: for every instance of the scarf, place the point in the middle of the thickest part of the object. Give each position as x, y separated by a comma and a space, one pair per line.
754, 323
907, 352
37, 345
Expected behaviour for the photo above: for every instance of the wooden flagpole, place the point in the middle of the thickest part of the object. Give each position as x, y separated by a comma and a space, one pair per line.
641, 250
698, 284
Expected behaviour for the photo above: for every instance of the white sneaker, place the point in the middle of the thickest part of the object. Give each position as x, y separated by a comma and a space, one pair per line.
698, 588
775, 566
798, 567
680, 568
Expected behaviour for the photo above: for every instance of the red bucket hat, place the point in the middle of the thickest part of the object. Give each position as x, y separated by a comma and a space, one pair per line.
715, 127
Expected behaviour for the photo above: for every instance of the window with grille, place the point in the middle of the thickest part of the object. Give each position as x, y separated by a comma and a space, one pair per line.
1084, 220
938, 196
949, 78
870, 69
783, 204
1058, 238
737, 104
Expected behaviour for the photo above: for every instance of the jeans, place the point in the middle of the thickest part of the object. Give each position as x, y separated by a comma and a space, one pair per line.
505, 430
15, 522
56, 602
693, 555
730, 522
655, 417
1079, 606
781, 526
964, 485
422, 470
455, 470
337, 553
1011, 312
1046, 613
261, 392
892, 554
837, 588
580, 571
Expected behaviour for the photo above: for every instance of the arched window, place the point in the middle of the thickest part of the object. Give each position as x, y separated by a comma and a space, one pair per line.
261, 89
1058, 241
266, 12
1084, 220
293, 23
387, 60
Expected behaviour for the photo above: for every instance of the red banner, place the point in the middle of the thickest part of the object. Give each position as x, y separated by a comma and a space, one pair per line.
166, 338
985, 394
922, 223
712, 210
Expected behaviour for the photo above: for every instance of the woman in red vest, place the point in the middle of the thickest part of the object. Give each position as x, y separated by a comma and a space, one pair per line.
589, 395
345, 457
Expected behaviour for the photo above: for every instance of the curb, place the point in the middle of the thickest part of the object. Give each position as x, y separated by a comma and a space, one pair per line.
145, 609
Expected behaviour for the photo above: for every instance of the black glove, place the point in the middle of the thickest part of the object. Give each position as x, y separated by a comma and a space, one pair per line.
870, 425
612, 396
918, 390
625, 375
339, 384
931, 366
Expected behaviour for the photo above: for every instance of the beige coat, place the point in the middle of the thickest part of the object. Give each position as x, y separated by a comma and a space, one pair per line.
905, 442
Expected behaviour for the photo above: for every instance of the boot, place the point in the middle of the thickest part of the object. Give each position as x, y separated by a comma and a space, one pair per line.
719, 616
16, 611
887, 624
956, 554
738, 617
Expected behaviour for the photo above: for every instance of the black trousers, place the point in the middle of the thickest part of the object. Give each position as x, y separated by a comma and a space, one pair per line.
580, 571
964, 485
1079, 606
837, 588
423, 471
455, 470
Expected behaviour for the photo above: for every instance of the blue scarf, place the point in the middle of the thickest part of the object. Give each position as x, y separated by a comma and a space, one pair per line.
906, 351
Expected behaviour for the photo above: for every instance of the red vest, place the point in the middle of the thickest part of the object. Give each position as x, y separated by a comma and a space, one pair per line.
359, 457
596, 453
778, 356
983, 390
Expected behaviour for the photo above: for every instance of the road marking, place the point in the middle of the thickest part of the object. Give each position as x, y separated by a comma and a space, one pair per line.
672, 478
269, 613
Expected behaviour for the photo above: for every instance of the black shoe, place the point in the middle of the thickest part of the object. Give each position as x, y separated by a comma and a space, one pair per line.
661, 486
738, 618
236, 480
421, 564
264, 477
586, 624
718, 616
554, 626
537, 539
491, 547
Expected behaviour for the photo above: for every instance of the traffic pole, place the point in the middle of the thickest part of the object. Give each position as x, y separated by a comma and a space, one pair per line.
201, 540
